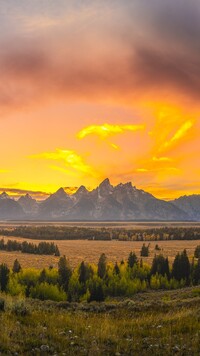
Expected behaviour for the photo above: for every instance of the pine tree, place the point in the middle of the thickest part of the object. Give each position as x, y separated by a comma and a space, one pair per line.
116, 269
43, 276
196, 275
102, 264
160, 265
16, 266
83, 272
64, 272
4, 276
132, 259
181, 267
144, 251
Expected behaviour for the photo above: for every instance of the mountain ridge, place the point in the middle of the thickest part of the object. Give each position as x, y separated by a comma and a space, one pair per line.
106, 202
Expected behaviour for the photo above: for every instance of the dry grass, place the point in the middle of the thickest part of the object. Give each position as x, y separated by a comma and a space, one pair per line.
147, 325
79, 250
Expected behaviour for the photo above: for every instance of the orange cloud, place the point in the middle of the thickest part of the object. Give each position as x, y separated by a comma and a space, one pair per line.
107, 130
180, 133
72, 161
162, 159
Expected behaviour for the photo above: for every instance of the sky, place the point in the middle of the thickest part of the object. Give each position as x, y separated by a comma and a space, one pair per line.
96, 89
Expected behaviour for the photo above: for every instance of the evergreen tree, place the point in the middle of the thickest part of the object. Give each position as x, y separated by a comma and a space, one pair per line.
96, 290
160, 265
144, 251
197, 252
132, 259
116, 269
4, 276
102, 264
16, 266
85, 272
181, 267
43, 276
196, 273
64, 272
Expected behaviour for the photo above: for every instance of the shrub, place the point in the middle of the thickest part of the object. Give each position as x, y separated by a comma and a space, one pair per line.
144, 251
45, 291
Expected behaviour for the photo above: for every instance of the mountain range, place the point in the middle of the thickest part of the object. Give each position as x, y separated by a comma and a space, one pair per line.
106, 202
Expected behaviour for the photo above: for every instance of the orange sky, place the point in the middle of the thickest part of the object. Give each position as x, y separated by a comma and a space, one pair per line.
104, 89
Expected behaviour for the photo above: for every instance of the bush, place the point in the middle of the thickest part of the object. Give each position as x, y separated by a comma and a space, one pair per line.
45, 291
19, 308
144, 251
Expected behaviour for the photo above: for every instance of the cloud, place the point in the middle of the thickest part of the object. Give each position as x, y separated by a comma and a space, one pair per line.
162, 159
107, 130
16, 193
142, 170
179, 134
72, 161
144, 48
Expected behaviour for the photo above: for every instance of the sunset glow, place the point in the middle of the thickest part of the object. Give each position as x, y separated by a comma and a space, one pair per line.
96, 90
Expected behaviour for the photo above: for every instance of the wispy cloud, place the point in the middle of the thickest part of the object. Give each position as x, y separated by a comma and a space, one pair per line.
107, 130
162, 159
142, 170
179, 134
70, 158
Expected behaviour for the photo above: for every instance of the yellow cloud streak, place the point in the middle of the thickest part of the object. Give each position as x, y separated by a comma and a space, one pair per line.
180, 133
107, 130
162, 159
70, 158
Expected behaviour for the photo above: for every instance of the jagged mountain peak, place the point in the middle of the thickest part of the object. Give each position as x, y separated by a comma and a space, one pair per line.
105, 188
127, 185
4, 195
105, 183
60, 193
27, 197
81, 190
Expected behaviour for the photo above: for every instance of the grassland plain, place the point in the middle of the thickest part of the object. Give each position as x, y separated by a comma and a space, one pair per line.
79, 250
151, 323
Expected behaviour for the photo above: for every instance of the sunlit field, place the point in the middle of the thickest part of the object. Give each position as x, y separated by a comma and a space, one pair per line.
79, 250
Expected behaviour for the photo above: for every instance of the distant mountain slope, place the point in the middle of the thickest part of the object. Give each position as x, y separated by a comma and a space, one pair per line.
56, 206
9, 208
106, 202
190, 205
29, 205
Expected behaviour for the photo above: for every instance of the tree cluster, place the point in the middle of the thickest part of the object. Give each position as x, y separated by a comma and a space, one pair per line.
97, 282
103, 233
43, 248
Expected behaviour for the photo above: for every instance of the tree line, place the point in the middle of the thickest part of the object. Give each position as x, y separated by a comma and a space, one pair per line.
96, 282
43, 248
103, 233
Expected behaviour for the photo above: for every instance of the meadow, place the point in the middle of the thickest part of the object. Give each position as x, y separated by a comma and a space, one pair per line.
78, 250
157, 323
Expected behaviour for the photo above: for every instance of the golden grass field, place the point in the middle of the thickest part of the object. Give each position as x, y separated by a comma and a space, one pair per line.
79, 250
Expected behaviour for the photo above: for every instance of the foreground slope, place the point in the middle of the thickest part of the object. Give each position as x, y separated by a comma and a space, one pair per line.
155, 323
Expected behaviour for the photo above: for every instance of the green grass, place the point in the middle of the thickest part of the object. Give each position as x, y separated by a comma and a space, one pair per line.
152, 323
